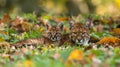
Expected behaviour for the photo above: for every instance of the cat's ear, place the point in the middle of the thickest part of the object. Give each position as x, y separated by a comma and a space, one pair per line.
71, 22
89, 23
60, 25
48, 26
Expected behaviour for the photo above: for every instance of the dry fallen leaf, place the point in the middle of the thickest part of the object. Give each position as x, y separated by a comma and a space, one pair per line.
3, 32
60, 19
91, 56
4, 46
110, 41
18, 20
42, 21
21, 25
116, 31
5, 18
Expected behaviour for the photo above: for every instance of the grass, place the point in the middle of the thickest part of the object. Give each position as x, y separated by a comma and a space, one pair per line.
44, 56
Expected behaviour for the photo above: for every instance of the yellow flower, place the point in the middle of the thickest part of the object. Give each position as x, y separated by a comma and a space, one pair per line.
76, 55
19, 64
117, 3
41, 28
28, 63
2, 40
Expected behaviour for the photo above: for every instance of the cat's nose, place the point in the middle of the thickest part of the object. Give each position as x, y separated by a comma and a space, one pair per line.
80, 40
79, 37
53, 39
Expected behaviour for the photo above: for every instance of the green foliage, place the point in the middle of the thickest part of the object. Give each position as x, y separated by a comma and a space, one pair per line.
43, 56
100, 34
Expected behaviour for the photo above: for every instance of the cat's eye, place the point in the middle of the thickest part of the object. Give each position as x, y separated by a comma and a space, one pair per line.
56, 33
83, 32
75, 33
49, 33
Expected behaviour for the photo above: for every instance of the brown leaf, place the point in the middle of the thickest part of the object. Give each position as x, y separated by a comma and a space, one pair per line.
5, 18
4, 46
110, 41
116, 31
21, 25
3, 32
60, 19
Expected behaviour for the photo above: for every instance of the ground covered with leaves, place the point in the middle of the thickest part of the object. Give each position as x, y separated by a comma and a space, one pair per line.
104, 50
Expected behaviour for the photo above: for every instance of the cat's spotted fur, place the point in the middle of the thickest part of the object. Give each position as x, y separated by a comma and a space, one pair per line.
79, 33
52, 35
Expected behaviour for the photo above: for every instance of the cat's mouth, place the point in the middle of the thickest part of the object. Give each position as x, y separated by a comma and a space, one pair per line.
83, 42
79, 41
54, 39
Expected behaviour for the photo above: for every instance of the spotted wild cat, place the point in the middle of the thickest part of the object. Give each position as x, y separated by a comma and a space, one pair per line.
52, 35
79, 33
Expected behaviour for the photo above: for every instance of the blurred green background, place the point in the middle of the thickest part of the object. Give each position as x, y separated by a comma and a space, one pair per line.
60, 7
